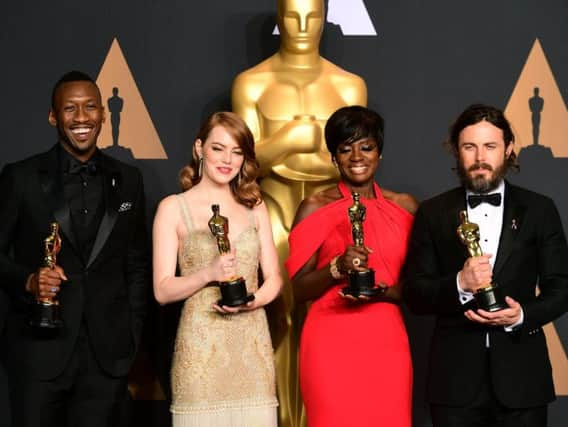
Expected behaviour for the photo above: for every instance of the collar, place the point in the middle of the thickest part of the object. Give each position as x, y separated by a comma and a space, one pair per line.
499, 190
69, 163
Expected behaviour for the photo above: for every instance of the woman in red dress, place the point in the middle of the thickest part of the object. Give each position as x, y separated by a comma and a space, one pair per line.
355, 365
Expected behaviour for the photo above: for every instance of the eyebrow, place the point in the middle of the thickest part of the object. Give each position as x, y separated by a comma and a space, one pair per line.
237, 147
475, 143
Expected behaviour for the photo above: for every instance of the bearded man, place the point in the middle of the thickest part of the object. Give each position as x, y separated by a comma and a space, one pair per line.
488, 368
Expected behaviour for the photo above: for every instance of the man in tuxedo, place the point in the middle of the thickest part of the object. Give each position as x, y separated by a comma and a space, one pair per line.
488, 368
75, 375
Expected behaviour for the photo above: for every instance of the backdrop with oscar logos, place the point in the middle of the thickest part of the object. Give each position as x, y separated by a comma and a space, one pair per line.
164, 66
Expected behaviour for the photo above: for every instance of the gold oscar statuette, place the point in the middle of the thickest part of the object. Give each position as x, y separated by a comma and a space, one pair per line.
489, 297
361, 282
233, 289
45, 313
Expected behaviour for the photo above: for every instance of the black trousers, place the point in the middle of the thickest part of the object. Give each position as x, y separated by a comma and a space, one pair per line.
82, 396
486, 411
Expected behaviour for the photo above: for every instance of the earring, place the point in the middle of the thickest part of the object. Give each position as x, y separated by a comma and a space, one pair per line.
200, 167
239, 177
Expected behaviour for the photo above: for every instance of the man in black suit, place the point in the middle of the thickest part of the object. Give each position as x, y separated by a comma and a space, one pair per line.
488, 368
77, 374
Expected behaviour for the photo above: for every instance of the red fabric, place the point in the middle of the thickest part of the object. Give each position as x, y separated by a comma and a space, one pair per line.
355, 366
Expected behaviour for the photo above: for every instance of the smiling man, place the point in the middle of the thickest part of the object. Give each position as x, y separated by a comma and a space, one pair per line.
74, 372
488, 368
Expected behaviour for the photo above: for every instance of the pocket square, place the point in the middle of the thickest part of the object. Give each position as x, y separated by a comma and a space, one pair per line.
125, 206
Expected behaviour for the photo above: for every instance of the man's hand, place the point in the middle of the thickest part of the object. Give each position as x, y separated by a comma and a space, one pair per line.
476, 273
46, 282
506, 317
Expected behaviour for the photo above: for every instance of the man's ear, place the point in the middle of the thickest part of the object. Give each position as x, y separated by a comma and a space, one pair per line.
509, 149
51, 118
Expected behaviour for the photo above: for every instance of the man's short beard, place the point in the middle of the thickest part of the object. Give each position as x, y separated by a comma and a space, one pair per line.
480, 184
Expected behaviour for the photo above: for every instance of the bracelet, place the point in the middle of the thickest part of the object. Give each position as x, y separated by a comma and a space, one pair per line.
334, 271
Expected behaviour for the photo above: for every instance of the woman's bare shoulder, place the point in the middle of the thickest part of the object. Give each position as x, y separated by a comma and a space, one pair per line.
404, 200
316, 201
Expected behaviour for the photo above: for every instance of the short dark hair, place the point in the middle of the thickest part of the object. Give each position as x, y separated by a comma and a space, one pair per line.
350, 124
476, 113
71, 76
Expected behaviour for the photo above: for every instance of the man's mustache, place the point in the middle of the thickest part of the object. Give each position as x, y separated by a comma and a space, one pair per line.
478, 166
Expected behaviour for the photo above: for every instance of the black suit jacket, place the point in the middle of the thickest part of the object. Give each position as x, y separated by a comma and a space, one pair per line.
109, 292
532, 249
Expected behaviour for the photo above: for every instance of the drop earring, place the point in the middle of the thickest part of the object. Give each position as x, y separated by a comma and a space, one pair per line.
200, 167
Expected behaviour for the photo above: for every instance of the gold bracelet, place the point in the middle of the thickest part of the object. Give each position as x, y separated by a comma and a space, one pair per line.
334, 271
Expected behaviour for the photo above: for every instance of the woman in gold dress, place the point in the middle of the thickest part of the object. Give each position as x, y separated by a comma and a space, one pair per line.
223, 368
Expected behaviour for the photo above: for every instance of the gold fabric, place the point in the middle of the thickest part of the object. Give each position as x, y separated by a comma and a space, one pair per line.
223, 365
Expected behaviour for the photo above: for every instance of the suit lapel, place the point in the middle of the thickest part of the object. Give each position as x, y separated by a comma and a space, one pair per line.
111, 179
456, 204
513, 215
51, 180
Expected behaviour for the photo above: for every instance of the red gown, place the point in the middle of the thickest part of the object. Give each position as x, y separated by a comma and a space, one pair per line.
355, 364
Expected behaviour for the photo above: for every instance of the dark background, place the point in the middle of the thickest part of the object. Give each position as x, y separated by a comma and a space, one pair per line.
428, 61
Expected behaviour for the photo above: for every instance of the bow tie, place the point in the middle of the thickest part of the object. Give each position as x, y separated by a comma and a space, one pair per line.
476, 199
77, 168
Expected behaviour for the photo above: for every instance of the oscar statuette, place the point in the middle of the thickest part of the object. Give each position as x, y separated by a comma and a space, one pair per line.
233, 289
488, 298
361, 283
45, 312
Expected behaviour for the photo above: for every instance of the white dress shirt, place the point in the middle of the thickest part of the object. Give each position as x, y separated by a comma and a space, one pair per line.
489, 218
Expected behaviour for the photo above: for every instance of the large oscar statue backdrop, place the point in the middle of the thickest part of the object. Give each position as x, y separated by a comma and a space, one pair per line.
286, 100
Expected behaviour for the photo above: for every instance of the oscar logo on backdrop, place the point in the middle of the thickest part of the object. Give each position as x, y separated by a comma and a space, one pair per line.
131, 133
286, 100
115, 104
539, 117
129, 136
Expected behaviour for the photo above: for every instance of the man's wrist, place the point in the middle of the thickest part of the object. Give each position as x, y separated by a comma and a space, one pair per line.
28, 285
517, 324
464, 296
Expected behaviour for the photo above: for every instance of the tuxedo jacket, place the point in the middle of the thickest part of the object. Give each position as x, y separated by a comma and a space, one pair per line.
532, 250
107, 292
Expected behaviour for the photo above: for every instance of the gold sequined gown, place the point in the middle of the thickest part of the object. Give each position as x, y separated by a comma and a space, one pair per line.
223, 365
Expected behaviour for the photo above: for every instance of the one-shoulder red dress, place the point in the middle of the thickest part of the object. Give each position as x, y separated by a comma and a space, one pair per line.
355, 364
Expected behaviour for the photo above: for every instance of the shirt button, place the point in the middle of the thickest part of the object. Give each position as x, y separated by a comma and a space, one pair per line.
85, 211
84, 183
464, 299
486, 240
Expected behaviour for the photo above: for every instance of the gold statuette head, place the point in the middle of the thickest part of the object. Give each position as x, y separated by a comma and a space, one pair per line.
219, 226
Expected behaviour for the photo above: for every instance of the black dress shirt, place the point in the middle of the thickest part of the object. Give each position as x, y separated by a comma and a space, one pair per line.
83, 190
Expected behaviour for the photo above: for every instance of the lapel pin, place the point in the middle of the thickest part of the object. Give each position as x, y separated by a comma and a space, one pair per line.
514, 224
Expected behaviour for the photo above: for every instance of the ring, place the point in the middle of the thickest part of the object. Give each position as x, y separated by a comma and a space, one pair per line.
356, 262
53, 289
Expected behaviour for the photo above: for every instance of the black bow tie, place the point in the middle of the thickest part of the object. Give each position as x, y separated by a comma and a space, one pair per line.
77, 168
476, 199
